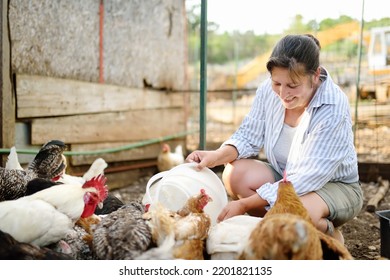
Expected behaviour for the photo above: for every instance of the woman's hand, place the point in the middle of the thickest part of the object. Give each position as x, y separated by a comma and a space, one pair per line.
211, 159
233, 208
203, 158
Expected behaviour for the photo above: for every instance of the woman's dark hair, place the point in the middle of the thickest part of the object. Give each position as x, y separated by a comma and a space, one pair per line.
300, 54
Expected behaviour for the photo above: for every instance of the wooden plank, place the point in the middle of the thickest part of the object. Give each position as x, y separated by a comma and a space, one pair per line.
7, 105
109, 127
372, 204
39, 96
146, 152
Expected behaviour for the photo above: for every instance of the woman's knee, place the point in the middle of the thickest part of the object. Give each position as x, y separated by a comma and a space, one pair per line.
317, 208
242, 177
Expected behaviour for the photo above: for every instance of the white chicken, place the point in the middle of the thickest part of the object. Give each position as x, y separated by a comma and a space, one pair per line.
227, 239
46, 216
96, 168
166, 160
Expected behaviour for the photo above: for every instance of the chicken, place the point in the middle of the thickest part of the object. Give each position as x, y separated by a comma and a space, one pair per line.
47, 164
287, 232
166, 160
46, 216
122, 234
110, 204
288, 201
12, 160
227, 238
189, 226
96, 168
77, 243
10, 249
38, 184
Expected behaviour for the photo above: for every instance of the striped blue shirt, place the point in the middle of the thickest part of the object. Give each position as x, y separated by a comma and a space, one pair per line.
322, 149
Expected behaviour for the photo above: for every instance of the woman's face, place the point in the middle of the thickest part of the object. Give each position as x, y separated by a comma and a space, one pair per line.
294, 95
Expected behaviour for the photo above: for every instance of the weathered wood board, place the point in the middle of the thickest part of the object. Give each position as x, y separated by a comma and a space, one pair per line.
109, 127
145, 152
39, 96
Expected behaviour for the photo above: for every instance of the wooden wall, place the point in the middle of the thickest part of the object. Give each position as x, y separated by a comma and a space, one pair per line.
57, 70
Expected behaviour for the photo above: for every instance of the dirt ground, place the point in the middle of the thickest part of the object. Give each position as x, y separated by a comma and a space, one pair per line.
362, 234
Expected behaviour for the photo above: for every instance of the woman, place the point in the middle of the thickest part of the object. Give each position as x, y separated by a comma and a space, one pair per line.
302, 120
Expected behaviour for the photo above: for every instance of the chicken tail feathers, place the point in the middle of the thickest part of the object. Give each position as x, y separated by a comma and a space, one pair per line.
162, 252
12, 160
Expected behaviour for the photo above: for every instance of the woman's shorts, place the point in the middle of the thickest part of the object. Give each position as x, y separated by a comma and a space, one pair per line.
344, 200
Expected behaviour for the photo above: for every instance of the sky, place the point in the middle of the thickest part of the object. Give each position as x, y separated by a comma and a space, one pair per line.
274, 16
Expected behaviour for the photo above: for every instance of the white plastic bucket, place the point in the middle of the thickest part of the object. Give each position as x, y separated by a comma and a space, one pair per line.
174, 187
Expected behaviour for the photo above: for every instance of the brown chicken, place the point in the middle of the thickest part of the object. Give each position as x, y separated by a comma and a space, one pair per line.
288, 201
188, 227
287, 232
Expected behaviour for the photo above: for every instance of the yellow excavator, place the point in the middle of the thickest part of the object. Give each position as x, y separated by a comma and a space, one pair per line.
376, 85
256, 67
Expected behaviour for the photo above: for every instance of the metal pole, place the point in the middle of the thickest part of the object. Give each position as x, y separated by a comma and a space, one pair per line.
358, 73
203, 75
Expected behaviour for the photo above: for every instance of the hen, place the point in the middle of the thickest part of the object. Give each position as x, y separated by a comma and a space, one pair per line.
10, 249
46, 216
77, 243
189, 227
110, 204
122, 234
47, 164
38, 184
287, 232
166, 159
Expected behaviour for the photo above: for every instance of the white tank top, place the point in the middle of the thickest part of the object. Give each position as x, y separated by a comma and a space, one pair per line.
282, 146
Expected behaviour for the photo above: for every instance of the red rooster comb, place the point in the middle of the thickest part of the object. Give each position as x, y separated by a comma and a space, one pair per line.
204, 199
99, 183
285, 176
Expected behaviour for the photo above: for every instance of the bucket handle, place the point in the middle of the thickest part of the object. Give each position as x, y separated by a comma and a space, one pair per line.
152, 180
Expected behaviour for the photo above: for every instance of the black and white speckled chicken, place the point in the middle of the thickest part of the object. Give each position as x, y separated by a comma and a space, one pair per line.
47, 164
11, 249
122, 234
77, 243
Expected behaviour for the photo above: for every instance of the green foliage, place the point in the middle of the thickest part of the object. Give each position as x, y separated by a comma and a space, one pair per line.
329, 22
377, 23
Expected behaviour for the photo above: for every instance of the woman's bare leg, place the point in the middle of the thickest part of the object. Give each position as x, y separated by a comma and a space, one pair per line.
319, 211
